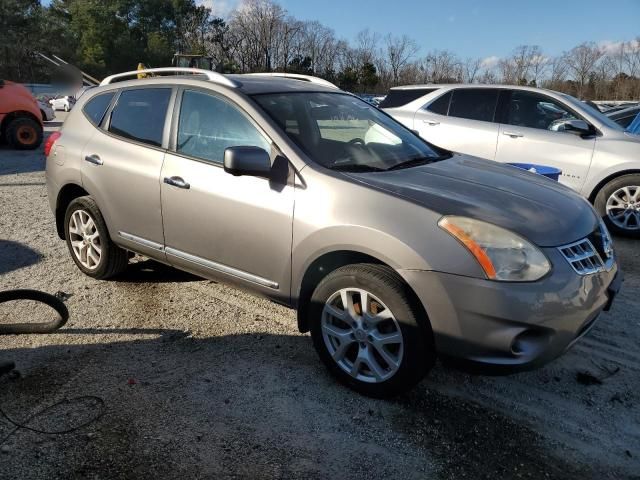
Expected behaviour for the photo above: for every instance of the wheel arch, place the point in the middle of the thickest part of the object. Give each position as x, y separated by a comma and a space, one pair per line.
67, 194
594, 193
326, 263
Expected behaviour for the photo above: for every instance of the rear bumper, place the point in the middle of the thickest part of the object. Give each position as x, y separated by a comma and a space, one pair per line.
513, 326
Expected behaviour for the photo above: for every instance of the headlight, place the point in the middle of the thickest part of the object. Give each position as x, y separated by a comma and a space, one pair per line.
503, 255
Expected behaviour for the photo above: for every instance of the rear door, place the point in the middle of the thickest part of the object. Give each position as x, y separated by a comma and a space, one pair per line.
216, 224
525, 137
121, 166
461, 120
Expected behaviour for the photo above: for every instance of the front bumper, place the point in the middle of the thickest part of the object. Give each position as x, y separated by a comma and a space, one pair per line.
514, 326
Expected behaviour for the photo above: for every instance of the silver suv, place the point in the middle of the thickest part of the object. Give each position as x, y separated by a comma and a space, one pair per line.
390, 249
530, 125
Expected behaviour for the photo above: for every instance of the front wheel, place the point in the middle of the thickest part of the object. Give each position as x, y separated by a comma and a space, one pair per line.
368, 331
89, 243
618, 202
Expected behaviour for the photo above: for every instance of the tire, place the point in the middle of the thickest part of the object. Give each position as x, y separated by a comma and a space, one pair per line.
24, 133
84, 223
388, 296
619, 202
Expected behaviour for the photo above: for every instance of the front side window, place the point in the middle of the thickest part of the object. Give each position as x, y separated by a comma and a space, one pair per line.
140, 114
474, 103
342, 132
209, 125
532, 110
95, 108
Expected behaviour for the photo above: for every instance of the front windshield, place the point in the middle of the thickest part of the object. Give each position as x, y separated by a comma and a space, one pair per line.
342, 132
597, 114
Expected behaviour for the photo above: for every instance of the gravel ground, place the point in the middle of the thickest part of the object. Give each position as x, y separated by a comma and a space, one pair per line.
200, 380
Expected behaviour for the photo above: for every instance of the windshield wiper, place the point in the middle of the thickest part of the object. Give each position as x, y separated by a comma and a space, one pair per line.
414, 162
356, 167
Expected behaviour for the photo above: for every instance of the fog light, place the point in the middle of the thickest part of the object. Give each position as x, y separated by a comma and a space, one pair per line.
529, 342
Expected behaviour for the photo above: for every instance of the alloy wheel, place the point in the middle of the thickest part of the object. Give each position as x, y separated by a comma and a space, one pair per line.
623, 208
85, 239
362, 335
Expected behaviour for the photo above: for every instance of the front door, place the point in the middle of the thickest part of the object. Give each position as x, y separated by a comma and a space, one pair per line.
461, 121
525, 137
215, 224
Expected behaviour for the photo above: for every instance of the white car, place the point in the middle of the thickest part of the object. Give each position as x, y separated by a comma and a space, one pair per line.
65, 103
598, 158
46, 111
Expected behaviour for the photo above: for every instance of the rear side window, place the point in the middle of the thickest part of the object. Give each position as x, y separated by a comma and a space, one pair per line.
139, 115
474, 103
399, 98
440, 105
95, 108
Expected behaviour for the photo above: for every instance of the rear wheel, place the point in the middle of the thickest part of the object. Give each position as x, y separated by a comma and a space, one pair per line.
24, 133
89, 243
368, 331
618, 202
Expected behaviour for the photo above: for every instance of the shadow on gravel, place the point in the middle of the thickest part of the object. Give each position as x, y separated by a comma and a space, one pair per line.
15, 255
150, 271
249, 406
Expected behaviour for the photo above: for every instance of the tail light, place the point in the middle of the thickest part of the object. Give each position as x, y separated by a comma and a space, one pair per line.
48, 145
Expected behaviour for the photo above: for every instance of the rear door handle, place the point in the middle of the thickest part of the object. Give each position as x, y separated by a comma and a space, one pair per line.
94, 159
513, 134
177, 182
433, 123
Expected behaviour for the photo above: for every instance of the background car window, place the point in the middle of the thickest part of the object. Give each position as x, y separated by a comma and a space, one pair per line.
95, 108
209, 125
532, 110
398, 98
140, 114
440, 105
474, 103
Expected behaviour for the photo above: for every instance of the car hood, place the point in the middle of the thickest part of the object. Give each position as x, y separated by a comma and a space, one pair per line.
541, 210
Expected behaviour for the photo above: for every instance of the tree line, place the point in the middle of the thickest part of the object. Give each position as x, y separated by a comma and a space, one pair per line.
108, 36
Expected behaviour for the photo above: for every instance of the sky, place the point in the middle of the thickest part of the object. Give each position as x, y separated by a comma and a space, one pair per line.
474, 28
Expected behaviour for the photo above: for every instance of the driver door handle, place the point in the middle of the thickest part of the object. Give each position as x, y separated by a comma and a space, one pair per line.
93, 159
177, 182
512, 134
432, 123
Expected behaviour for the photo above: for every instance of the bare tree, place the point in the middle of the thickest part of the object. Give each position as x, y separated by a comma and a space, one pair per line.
399, 51
557, 72
443, 66
581, 61
470, 69
367, 46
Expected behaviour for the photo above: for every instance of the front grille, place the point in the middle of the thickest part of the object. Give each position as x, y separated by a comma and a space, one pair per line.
592, 254
583, 257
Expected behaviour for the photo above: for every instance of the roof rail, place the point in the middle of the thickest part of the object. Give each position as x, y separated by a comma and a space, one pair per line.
213, 76
298, 76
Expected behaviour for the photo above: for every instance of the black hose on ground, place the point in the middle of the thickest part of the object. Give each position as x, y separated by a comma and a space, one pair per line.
44, 327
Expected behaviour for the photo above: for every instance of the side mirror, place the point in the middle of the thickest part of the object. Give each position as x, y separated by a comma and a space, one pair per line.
577, 127
253, 161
